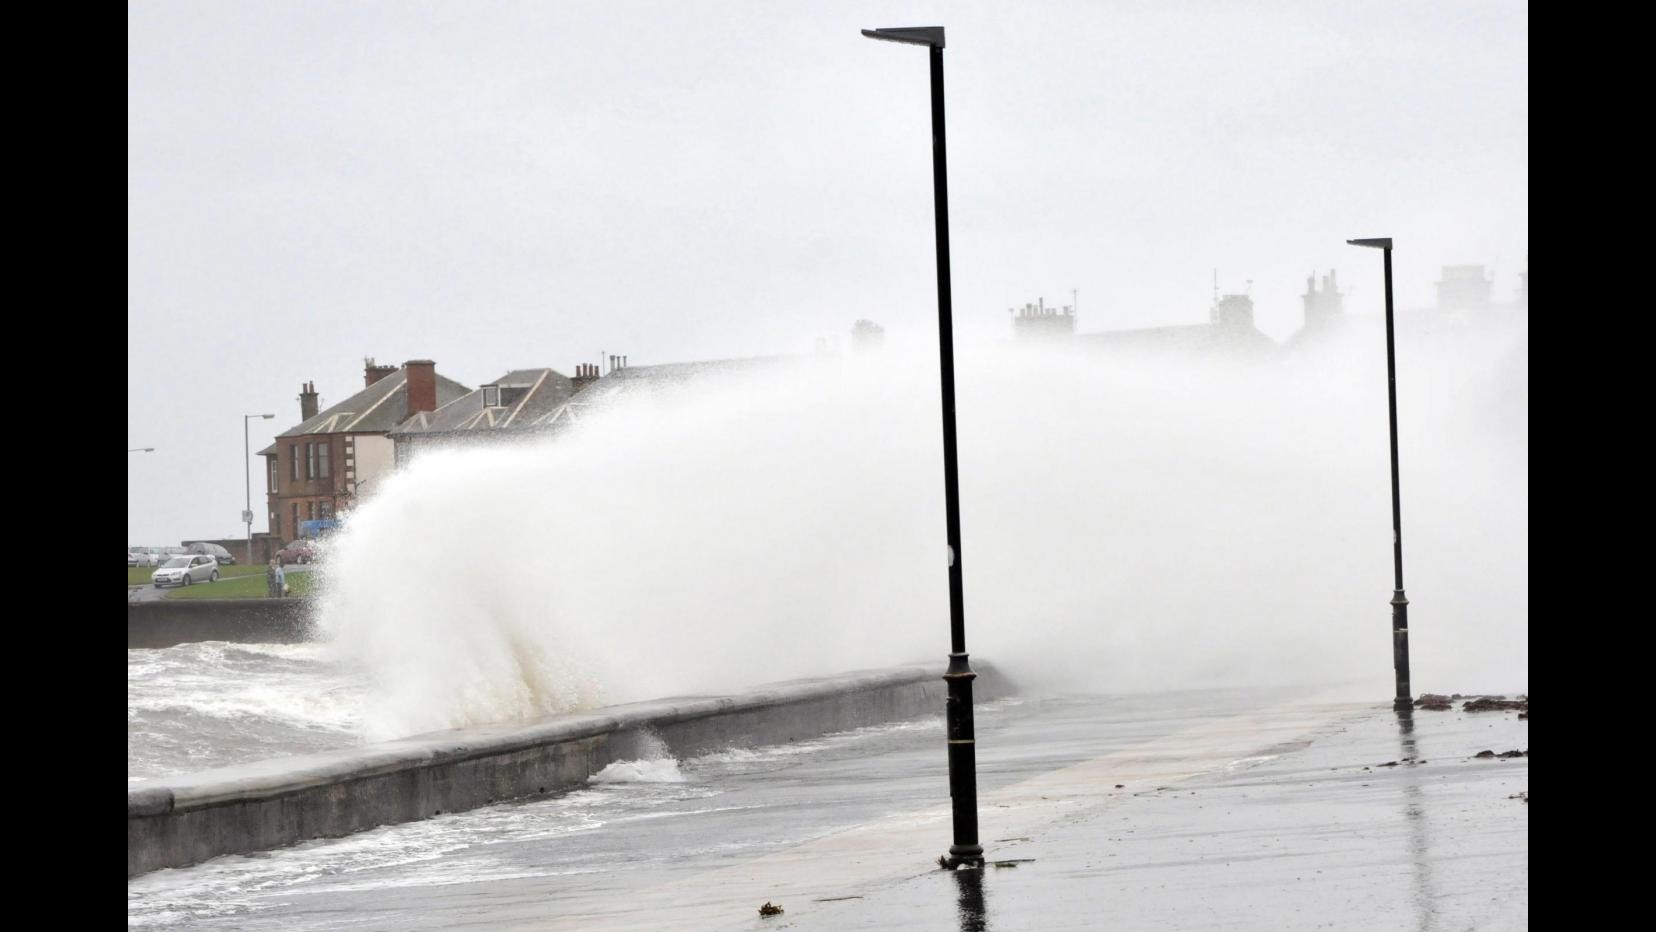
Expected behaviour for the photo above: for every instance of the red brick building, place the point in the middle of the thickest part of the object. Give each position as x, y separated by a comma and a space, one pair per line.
321, 465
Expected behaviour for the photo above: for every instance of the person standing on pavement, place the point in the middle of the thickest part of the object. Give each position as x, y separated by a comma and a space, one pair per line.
273, 578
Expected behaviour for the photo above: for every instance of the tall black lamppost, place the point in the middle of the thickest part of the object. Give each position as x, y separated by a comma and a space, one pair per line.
958, 705
1399, 603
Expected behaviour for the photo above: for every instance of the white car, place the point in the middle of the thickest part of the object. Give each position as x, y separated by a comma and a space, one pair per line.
186, 569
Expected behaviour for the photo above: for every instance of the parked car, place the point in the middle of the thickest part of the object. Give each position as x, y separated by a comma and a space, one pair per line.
143, 556
132, 557
212, 550
186, 570
297, 551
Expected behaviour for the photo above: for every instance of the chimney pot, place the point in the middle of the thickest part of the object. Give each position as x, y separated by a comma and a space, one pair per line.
372, 373
585, 374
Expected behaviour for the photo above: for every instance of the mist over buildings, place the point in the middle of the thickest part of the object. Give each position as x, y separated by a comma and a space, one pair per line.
1135, 516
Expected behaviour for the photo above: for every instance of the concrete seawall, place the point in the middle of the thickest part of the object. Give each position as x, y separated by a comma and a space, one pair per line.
168, 622
188, 819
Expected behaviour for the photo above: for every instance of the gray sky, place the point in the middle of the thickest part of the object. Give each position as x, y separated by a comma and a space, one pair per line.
497, 185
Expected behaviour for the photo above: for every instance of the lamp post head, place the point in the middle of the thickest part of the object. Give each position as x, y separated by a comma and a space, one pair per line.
909, 35
1383, 242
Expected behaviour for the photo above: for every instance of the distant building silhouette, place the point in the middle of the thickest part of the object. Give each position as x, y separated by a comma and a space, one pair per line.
1232, 312
1324, 304
866, 335
1039, 322
1230, 329
1463, 288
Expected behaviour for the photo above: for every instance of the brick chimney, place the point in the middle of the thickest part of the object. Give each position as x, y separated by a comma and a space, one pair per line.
422, 386
585, 374
307, 401
372, 373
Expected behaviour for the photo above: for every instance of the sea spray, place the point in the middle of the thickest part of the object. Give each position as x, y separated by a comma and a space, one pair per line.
1129, 522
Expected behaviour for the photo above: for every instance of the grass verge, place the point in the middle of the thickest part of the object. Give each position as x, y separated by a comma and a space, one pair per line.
240, 587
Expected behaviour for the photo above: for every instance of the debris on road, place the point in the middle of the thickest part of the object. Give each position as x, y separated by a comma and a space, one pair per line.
1495, 704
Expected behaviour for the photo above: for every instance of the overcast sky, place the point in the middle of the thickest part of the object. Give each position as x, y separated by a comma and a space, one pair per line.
498, 185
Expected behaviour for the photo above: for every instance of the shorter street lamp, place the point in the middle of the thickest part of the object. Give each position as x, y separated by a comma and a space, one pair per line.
1399, 602
247, 467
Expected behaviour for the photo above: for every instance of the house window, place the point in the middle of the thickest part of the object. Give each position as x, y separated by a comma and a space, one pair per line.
275, 524
310, 511
324, 510
310, 461
322, 459
293, 457
295, 519
274, 475
491, 396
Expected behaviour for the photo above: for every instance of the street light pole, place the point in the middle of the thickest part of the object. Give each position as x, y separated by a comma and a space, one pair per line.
1399, 602
247, 468
142, 450
958, 705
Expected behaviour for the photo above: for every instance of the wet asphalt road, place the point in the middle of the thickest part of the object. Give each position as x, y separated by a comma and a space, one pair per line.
1323, 837
1237, 810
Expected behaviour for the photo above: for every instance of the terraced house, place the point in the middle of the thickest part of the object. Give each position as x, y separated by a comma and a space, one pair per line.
331, 457
511, 407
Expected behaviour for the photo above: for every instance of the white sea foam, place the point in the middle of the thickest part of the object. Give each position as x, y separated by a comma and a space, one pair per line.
1128, 524
664, 770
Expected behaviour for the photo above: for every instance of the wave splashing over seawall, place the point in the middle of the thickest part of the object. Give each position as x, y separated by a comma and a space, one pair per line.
1128, 523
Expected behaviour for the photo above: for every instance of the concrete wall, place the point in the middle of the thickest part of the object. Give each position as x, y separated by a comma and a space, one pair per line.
166, 622
253, 807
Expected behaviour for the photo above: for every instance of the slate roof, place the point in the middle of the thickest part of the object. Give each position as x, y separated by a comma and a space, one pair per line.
635, 379
375, 409
524, 396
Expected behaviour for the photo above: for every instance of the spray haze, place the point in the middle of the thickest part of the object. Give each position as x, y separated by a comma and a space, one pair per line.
1129, 522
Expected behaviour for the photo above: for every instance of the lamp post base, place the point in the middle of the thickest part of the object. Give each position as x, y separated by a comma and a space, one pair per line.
962, 761
1400, 649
